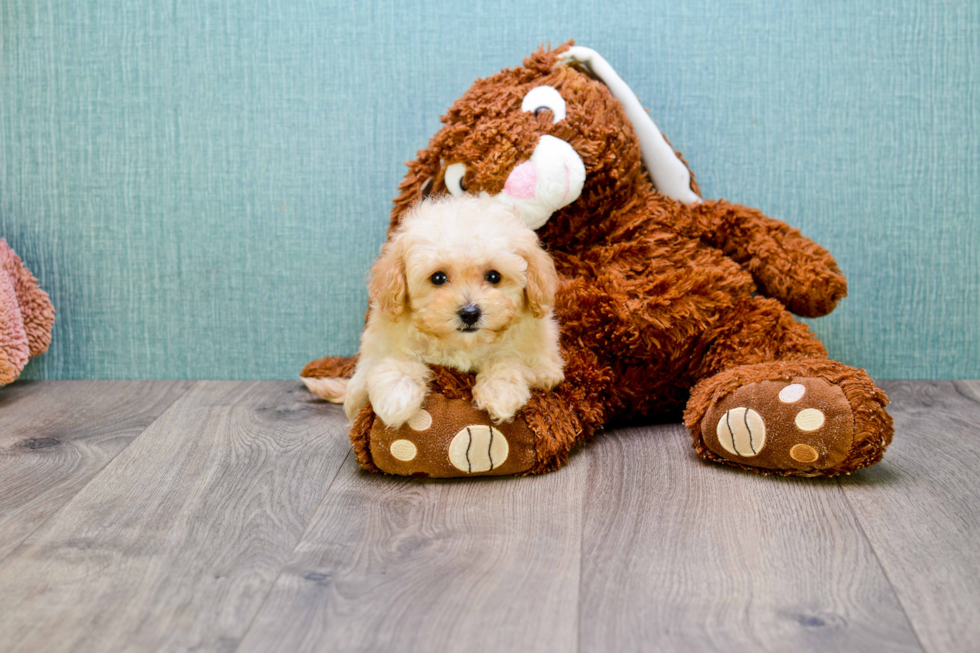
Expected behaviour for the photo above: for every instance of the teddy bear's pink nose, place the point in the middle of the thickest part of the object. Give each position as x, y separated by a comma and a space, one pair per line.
522, 181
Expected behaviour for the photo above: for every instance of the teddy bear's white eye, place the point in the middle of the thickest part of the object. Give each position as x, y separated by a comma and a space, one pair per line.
545, 97
454, 179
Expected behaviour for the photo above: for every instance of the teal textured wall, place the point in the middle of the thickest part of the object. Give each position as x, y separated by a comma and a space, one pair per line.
201, 186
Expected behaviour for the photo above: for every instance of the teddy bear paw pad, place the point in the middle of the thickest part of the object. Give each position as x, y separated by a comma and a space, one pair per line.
449, 438
478, 448
741, 432
803, 425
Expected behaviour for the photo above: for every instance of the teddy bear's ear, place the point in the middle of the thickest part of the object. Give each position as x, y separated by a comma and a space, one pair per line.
416, 186
668, 172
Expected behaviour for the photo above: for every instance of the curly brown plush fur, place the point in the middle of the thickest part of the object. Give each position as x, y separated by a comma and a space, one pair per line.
657, 296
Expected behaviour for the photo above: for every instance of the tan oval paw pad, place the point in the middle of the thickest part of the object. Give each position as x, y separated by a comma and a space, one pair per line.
420, 421
809, 419
803, 453
404, 450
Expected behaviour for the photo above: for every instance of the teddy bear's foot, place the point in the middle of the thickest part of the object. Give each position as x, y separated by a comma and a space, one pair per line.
446, 438
824, 421
803, 424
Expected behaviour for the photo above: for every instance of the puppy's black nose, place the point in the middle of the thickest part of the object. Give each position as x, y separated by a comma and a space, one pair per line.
469, 314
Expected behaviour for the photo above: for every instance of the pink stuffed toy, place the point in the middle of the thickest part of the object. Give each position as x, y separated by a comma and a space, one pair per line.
26, 316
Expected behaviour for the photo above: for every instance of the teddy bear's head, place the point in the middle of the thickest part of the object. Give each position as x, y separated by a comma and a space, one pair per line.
545, 137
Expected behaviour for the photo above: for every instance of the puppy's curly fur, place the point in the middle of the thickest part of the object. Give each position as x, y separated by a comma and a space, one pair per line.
462, 283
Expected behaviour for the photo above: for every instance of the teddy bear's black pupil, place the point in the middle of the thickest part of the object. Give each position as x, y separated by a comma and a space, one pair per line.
438, 278
537, 112
493, 277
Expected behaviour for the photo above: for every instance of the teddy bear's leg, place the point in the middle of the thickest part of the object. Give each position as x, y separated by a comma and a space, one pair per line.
327, 377
449, 437
771, 401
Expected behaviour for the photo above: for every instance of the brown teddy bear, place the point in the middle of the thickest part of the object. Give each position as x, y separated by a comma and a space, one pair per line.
26, 316
665, 300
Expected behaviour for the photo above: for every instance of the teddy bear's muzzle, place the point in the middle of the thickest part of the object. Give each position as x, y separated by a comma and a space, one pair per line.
550, 180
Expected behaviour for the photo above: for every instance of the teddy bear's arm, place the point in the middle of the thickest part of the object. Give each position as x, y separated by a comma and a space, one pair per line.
626, 312
784, 264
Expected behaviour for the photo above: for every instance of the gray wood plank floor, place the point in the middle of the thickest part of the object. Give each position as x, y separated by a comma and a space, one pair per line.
55, 437
230, 516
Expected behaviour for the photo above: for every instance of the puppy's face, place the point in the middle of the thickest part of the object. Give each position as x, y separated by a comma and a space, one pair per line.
465, 298
463, 270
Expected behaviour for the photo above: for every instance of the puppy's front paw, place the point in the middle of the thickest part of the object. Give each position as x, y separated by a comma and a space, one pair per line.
357, 397
501, 399
396, 402
548, 379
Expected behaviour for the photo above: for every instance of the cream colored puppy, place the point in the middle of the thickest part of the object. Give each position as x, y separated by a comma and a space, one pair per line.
465, 284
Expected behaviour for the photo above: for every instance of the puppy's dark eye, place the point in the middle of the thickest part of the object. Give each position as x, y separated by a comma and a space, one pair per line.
492, 277
438, 278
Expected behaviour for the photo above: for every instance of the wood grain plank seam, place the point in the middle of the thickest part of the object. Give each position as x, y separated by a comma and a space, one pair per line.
292, 552
108, 462
881, 565
966, 395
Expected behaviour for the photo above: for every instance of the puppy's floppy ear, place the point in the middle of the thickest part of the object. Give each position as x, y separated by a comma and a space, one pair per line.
388, 288
542, 278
